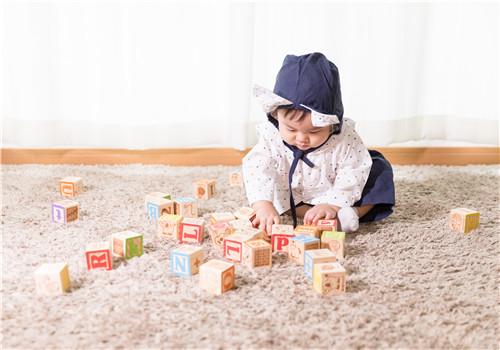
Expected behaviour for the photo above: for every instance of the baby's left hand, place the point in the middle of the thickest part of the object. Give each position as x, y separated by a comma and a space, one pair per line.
318, 212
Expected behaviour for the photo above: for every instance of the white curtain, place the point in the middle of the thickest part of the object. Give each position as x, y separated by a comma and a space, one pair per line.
179, 74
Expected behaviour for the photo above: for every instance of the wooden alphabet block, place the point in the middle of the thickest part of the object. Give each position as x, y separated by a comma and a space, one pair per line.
221, 217
98, 256
298, 245
329, 278
235, 179
240, 224
308, 230
70, 186
65, 211
204, 189
257, 253
315, 256
233, 246
157, 206
169, 225
245, 213
217, 276
186, 260
327, 225
127, 244
280, 237
52, 279
464, 220
218, 232
186, 207
192, 230
334, 241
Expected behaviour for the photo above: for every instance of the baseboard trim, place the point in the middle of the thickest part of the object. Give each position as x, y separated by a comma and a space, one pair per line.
229, 156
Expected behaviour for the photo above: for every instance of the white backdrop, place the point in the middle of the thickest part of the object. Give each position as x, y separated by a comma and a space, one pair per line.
172, 74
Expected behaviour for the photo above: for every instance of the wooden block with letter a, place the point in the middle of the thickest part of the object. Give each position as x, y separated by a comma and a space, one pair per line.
217, 276
329, 278
98, 256
464, 220
257, 253
52, 279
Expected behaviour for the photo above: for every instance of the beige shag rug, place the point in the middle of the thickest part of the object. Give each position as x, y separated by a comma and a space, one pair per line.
412, 283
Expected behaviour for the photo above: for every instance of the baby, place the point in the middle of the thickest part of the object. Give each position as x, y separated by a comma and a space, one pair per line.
309, 160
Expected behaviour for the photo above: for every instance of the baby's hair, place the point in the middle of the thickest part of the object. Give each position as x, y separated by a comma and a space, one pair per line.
292, 114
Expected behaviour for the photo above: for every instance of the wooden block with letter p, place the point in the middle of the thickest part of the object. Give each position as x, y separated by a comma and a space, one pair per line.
192, 230
52, 279
329, 278
280, 237
315, 256
127, 244
65, 211
204, 189
334, 241
217, 276
70, 186
464, 220
298, 245
98, 256
186, 260
257, 253
186, 207
168, 226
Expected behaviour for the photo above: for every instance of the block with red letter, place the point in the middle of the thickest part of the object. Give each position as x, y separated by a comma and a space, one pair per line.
217, 276
308, 230
52, 279
233, 245
298, 245
235, 179
218, 232
221, 217
334, 241
257, 253
464, 220
329, 278
65, 211
127, 244
316, 256
192, 230
245, 213
168, 226
280, 237
70, 186
327, 225
186, 260
98, 256
186, 207
204, 189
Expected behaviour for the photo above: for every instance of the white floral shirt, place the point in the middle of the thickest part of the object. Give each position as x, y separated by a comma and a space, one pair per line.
341, 169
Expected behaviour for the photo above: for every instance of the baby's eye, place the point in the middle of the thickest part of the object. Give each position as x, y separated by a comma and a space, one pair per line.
315, 131
291, 130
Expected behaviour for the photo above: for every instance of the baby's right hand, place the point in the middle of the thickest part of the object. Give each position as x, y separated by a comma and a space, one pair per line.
265, 216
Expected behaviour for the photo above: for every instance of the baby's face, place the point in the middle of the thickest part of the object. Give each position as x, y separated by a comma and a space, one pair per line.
301, 133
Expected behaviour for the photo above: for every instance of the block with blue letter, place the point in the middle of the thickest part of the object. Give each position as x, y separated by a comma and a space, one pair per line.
186, 260
316, 256
298, 245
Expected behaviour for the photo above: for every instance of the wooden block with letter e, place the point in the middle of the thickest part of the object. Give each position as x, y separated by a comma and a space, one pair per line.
52, 279
329, 278
70, 186
204, 189
217, 276
464, 220
186, 260
98, 256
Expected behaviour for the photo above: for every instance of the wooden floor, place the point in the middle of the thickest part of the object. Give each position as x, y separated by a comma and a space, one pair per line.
229, 156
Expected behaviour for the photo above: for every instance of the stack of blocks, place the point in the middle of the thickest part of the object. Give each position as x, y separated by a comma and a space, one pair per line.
298, 246
315, 256
334, 241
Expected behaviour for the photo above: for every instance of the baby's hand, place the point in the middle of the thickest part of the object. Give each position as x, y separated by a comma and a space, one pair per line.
265, 216
320, 211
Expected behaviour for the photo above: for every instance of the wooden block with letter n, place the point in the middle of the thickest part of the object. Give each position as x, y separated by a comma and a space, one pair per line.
280, 237
204, 189
70, 186
464, 220
65, 211
257, 253
298, 245
168, 226
98, 256
186, 260
334, 241
217, 276
192, 230
52, 279
315, 256
329, 278
127, 244
186, 207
